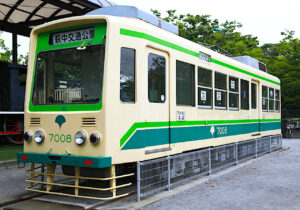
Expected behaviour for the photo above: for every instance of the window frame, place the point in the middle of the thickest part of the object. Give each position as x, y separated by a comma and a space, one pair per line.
266, 98
271, 99
220, 90
135, 83
248, 82
205, 87
193, 84
256, 98
277, 100
165, 75
235, 93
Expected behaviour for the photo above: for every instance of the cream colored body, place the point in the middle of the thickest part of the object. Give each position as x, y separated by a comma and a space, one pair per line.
116, 117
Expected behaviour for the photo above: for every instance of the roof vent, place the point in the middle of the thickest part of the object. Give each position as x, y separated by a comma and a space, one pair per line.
133, 12
251, 62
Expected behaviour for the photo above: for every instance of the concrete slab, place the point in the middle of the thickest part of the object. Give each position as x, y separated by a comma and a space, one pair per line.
190, 195
271, 182
34, 204
131, 203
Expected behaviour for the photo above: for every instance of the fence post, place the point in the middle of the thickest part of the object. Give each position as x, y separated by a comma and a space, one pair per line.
209, 161
169, 173
270, 144
236, 153
43, 176
138, 179
255, 147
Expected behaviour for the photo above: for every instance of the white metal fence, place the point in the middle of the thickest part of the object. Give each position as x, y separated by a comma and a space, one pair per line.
160, 174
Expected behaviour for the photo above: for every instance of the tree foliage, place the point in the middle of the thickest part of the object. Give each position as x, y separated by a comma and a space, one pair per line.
6, 54
282, 59
210, 32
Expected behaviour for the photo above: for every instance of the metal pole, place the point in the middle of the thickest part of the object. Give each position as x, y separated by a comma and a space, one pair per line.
270, 143
280, 141
236, 153
209, 161
43, 176
169, 173
138, 178
15, 48
255, 147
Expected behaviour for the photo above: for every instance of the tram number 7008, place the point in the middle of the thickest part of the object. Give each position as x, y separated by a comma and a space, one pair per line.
62, 138
222, 130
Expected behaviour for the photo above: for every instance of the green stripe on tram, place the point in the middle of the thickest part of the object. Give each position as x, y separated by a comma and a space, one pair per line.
154, 39
145, 125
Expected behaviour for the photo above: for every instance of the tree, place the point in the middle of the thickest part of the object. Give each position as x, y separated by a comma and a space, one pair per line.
6, 54
283, 61
222, 37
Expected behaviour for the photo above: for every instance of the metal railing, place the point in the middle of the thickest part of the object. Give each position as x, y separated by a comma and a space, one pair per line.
160, 174
52, 180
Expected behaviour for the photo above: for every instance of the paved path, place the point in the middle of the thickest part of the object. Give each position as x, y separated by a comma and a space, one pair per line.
272, 182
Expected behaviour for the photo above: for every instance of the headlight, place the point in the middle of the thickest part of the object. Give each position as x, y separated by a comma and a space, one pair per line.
28, 136
39, 136
80, 137
94, 138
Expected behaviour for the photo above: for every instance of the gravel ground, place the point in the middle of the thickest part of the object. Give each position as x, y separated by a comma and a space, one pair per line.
273, 182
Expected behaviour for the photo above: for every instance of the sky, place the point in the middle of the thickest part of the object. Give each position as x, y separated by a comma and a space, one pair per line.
265, 19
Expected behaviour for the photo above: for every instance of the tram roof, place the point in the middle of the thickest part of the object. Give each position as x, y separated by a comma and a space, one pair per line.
20, 16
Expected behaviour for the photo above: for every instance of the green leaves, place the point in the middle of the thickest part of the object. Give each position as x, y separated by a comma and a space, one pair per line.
6, 54
282, 59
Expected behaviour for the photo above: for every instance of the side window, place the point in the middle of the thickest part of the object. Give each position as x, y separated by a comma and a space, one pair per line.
233, 93
253, 96
264, 98
277, 100
271, 99
244, 94
185, 84
127, 75
156, 78
204, 88
220, 90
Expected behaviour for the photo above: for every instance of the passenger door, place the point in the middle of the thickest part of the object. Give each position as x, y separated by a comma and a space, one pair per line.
254, 103
157, 110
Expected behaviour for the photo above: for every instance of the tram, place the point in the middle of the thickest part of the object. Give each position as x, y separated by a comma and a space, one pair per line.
118, 85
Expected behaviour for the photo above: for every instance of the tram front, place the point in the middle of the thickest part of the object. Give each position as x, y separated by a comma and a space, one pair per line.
64, 118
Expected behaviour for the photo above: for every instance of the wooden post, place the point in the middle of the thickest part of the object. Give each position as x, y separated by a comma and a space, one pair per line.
113, 180
32, 174
50, 178
77, 174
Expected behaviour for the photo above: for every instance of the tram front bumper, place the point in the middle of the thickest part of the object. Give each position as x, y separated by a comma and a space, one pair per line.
66, 160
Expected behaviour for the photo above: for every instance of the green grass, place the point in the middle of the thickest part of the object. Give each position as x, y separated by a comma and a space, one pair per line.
10, 152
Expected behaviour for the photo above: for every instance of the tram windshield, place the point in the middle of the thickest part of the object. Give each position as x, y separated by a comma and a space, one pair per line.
69, 76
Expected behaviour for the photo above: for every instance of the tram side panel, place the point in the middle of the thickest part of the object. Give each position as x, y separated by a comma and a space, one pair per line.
132, 115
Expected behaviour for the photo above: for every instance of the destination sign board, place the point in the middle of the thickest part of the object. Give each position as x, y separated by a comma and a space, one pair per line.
72, 36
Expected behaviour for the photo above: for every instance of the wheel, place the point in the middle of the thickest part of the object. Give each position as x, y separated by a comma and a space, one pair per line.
14, 123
